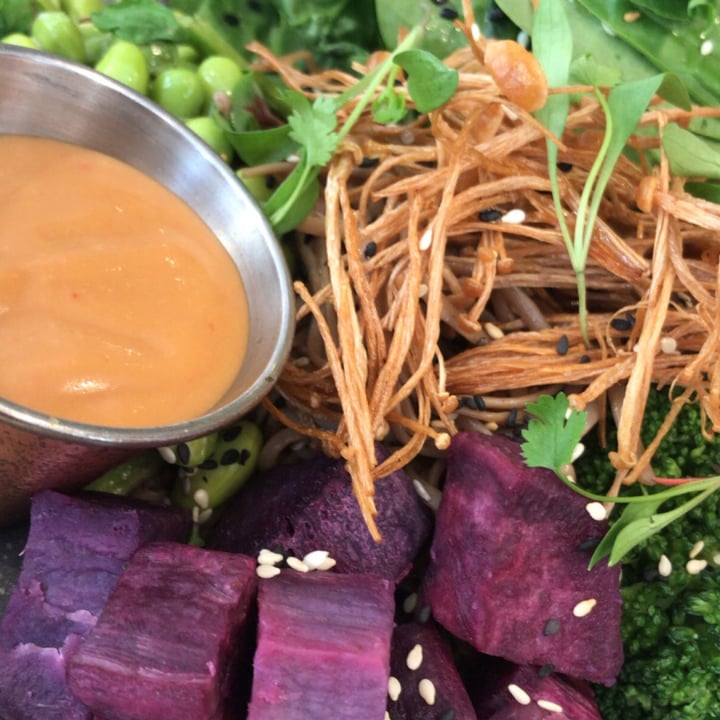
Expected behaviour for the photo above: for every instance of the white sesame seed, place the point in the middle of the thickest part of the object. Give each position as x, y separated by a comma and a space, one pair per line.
421, 490
201, 498
268, 557
664, 566
516, 216
596, 510
394, 688
697, 548
608, 30
707, 47
694, 567
315, 558
293, 158
410, 603
425, 240
414, 657
168, 455
407, 137
716, 558
267, 571
523, 39
387, 716
550, 706
327, 564
519, 694
297, 564
584, 607
426, 688
494, 331
577, 452
668, 345
475, 32
204, 515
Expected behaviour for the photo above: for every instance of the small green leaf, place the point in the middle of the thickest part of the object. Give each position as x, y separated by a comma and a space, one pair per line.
690, 155
313, 126
389, 106
430, 82
138, 21
257, 147
293, 200
585, 70
553, 433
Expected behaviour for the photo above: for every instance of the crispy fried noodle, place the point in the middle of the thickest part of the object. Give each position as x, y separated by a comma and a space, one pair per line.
423, 294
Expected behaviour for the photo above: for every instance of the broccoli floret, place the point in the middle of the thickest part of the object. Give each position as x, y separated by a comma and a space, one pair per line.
671, 622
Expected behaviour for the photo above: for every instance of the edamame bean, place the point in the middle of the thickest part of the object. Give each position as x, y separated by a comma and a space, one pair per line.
54, 32
192, 452
128, 476
206, 128
96, 42
124, 61
180, 91
218, 478
219, 75
81, 9
19, 39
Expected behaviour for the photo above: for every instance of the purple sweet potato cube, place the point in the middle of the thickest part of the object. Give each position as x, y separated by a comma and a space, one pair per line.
323, 647
426, 683
507, 691
75, 552
309, 506
168, 643
509, 564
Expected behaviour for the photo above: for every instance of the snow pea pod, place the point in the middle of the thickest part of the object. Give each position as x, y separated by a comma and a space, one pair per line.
191, 452
127, 477
218, 478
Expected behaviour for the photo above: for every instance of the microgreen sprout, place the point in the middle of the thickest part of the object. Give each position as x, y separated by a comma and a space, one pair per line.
622, 109
550, 440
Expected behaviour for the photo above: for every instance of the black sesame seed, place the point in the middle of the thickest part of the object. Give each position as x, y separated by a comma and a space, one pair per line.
245, 455
370, 250
449, 714
270, 181
468, 401
368, 162
495, 15
480, 402
229, 434
512, 418
564, 166
589, 544
563, 345
490, 215
208, 464
423, 614
230, 457
231, 19
447, 13
546, 670
584, 359
183, 453
623, 324
552, 627
255, 5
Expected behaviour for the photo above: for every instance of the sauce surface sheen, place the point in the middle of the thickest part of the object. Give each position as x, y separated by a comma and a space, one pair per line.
118, 306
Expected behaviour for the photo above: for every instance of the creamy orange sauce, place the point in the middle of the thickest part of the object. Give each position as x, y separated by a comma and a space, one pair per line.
118, 306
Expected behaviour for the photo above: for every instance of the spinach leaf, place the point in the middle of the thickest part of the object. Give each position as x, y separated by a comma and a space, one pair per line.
139, 21
16, 16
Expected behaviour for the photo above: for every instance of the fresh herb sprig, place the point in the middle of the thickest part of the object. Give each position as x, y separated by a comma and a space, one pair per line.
622, 109
551, 440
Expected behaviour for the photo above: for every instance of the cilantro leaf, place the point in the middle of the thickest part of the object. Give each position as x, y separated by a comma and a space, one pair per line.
138, 21
431, 83
314, 128
553, 433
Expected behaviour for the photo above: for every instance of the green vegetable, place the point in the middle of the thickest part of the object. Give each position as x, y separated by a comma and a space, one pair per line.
128, 476
19, 39
16, 16
180, 91
191, 452
81, 9
670, 624
125, 62
218, 75
138, 21
221, 475
213, 134
54, 32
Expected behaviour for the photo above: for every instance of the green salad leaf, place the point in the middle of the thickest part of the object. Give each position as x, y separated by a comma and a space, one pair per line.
138, 21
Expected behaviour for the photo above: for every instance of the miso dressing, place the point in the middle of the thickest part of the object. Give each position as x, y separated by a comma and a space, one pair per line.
118, 306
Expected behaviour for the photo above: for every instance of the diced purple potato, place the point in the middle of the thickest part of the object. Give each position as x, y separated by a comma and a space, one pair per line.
425, 682
508, 571
323, 646
76, 549
505, 691
310, 506
168, 645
